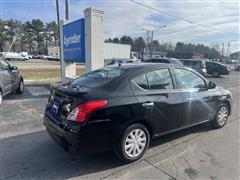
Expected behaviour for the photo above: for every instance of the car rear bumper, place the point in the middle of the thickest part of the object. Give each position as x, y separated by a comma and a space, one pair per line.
89, 139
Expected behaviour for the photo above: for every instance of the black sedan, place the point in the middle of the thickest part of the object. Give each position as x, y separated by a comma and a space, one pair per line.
122, 108
216, 69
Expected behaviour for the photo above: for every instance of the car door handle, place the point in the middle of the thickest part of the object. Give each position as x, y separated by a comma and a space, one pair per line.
147, 104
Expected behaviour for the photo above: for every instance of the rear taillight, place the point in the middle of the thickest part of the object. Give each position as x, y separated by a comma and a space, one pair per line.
82, 112
227, 67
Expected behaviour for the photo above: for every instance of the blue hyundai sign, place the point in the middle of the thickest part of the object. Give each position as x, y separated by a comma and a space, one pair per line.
74, 41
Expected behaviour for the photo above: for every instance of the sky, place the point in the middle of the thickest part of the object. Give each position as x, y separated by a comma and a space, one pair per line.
123, 17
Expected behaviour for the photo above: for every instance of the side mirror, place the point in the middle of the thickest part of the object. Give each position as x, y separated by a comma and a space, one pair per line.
14, 68
211, 85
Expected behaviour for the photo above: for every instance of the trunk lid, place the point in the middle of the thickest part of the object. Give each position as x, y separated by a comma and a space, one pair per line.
64, 99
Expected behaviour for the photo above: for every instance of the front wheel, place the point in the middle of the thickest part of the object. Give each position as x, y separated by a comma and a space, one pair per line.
221, 117
20, 87
216, 74
133, 143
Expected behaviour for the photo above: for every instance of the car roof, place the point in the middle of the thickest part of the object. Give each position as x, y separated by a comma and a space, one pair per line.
191, 60
144, 65
214, 62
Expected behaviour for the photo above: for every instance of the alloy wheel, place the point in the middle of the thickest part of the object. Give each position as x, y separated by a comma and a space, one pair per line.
222, 115
135, 143
21, 86
1, 98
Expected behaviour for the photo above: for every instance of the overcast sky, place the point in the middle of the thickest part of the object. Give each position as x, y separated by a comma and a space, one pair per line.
125, 17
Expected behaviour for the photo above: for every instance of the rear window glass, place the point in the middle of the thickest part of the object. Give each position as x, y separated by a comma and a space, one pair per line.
98, 77
158, 61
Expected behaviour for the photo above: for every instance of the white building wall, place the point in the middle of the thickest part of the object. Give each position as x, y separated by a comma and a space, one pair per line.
113, 50
53, 51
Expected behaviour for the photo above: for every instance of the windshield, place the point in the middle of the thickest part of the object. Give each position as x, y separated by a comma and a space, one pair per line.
98, 77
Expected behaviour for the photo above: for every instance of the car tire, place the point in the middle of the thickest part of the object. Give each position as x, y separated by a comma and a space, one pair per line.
20, 87
215, 74
221, 117
1, 98
133, 143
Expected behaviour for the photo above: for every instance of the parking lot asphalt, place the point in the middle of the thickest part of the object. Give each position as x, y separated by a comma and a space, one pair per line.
27, 152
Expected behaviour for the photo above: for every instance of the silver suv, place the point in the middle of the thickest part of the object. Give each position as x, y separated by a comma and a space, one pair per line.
10, 80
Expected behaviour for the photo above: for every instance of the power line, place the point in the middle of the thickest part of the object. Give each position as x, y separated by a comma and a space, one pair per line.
184, 19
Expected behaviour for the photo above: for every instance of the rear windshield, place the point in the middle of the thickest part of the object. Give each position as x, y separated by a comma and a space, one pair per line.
98, 77
176, 61
158, 61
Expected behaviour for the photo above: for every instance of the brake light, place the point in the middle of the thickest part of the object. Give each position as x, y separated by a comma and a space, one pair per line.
82, 112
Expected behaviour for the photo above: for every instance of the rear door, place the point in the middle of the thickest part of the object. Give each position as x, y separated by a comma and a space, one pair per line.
210, 67
198, 102
158, 101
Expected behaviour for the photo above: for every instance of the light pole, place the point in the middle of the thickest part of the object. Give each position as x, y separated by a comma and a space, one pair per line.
229, 43
67, 9
152, 34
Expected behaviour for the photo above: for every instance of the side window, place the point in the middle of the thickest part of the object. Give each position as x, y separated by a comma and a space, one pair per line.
187, 63
159, 79
189, 80
4, 64
163, 61
141, 81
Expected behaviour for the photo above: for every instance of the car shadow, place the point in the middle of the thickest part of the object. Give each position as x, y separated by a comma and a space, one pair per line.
27, 93
35, 155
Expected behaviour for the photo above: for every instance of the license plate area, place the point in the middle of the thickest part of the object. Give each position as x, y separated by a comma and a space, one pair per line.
55, 106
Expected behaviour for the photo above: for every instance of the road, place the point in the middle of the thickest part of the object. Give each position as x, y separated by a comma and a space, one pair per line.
38, 64
27, 152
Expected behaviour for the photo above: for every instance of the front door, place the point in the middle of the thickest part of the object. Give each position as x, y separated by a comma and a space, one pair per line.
197, 100
158, 100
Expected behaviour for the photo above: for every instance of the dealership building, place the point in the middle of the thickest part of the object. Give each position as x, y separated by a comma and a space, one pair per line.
111, 51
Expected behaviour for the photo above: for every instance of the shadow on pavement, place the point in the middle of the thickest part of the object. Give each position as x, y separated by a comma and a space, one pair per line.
27, 94
35, 155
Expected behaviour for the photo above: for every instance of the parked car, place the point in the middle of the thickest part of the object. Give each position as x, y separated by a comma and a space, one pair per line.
15, 56
216, 69
122, 108
237, 67
165, 60
198, 65
122, 61
10, 81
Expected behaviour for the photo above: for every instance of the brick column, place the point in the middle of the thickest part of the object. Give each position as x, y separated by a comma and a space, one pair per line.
94, 39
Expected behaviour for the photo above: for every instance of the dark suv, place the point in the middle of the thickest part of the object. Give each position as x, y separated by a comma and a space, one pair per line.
217, 69
165, 60
10, 79
198, 65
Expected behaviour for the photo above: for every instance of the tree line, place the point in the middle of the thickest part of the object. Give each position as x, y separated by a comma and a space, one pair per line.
33, 36
139, 44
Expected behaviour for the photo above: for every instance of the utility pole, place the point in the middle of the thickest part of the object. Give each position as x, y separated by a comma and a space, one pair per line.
223, 50
229, 43
151, 46
67, 9
151, 42
59, 37
228, 48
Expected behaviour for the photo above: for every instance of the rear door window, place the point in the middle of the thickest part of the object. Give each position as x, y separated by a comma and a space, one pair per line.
155, 80
141, 81
159, 79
